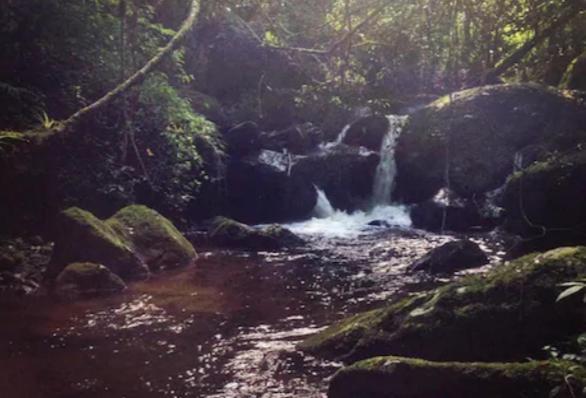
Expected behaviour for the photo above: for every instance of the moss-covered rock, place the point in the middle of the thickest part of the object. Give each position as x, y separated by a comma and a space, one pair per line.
130, 242
81, 237
479, 131
575, 76
397, 377
507, 314
156, 240
86, 280
545, 202
230, 233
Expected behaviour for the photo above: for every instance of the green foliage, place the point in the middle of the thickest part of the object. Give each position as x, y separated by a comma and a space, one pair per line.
573, 288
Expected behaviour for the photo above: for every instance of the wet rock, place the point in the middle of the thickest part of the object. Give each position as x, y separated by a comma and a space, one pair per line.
456, 214
345, 174
127, 244
368, 132
157, 241
398, 377
379, 223
474, 319
230, 233
262, 189
485, 127
575, 76
451, 257
243, 139
86, 280
545, 203
298, 139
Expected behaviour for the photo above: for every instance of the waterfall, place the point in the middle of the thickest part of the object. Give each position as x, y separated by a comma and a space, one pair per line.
387, 168
323, 208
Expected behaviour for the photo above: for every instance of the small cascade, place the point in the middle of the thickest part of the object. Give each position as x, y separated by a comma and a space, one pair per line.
323, 208
387, 168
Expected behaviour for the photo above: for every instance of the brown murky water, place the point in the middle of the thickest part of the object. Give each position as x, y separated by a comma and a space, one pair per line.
226, 327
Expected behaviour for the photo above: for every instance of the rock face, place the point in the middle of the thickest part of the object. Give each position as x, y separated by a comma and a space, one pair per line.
243, 139
368, 132
451, 257
480, 130
299, 139
575, 76
261, 189
230, 233
156, 240
345, 174
545, 202
398, 377
130, 242
475, 319
87, 279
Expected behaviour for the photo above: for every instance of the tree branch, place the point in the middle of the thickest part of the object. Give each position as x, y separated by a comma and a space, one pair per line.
140, 75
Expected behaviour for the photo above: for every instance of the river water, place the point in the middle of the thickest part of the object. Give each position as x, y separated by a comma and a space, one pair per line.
227, 327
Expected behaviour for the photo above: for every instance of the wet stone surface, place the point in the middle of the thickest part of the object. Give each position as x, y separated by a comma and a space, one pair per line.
226, 327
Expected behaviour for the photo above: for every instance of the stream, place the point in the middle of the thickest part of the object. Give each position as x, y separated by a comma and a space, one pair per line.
227, 327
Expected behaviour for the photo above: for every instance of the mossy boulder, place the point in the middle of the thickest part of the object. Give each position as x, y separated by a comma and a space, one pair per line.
575, 76
451, 257
298, 139
82, 237
546, 202
384, 377
229, 233
507, 314
478, 132
133, 241
156, 240
87, 280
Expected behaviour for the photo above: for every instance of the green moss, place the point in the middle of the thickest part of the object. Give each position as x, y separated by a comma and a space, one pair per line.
409, 377
506, 314
157, 240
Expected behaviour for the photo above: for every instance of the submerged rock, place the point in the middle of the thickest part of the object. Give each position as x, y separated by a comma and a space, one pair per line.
451, 257
478, 132
508, 314
397, 377
86, 280
545, 202
368, 132
230, 233
130, 242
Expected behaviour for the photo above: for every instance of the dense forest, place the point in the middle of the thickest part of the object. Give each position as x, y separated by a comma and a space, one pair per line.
293, 198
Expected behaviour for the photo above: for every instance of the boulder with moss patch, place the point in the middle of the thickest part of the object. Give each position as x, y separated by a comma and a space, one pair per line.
82, 237
156, 240
575, 76
545, 202
507, 314
128, 243
478, 132
87, 280
229, 233
397, 377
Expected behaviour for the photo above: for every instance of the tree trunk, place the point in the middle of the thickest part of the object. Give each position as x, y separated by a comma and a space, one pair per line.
140, 75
